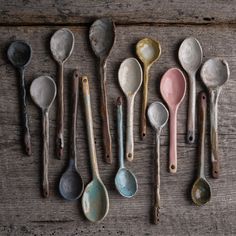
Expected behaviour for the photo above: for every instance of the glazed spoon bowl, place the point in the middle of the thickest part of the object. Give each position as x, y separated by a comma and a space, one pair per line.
148, 51
190, 57
130, 79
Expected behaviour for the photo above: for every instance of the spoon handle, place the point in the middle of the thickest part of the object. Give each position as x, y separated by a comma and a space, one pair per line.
60, 114
89, 121
214, 96
45, 153
173, 141
105, 117
120, 131
24, 116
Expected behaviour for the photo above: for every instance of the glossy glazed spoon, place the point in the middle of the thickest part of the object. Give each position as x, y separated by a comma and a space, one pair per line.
158, 116
43, 92
148, 51
130, 79
71, 184
190, 57
102, 38
95, 200
173, 87
61, 45
215, 72
125, 180
201, 190
19, 54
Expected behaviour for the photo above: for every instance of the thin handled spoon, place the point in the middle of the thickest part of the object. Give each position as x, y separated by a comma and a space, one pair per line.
173, 87
130, 79
148, 51
102, 38
201, 190
215, 72
125, 180
19, 54
158, 116
61, 45
190, 57
95, 200
71, 184
43, 92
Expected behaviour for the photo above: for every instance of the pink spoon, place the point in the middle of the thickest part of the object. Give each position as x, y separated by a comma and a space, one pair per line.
173, 87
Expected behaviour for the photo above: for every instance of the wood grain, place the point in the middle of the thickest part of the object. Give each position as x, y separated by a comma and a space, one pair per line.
22, 209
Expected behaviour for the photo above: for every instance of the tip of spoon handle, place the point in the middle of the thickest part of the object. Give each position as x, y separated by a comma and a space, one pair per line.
28, 149
108, 158
190, 137
156, 213
173, 168
215, 169
129, 156
45, 191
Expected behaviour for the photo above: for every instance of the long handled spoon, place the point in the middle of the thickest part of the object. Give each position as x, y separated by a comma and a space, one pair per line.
71, 184
148, 51
190, 57
125, 180
158, 116
130, 79
95, 200
215, 72
43, 92
102, 37
19, 54
173, 87
201, 190
61, 45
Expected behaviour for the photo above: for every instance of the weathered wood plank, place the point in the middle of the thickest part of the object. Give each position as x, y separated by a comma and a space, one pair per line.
125, 12
22, 209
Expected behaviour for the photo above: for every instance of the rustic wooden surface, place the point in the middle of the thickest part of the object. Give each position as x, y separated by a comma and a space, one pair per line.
23, 211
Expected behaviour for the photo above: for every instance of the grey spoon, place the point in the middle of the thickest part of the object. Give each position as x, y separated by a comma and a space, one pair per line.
19, 54
215, 72
190, 57
61, 45
43, 92
158, 116
95, 200
125, 180
71, 184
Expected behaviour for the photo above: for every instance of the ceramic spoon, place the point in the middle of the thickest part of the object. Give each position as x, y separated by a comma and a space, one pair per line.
95, 200
190, 57
71, 184
19, 54
130, 80
201, 190
214, 73
125, 180
61, 45
102, 37
148, 51
173, 87
158, 116
43, 92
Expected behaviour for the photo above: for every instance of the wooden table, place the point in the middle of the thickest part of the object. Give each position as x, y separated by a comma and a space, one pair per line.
23, 211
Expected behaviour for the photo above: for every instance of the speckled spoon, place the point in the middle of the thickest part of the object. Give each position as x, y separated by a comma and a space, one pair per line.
125, 180
43, 92
148, 51
190, 57
61, 45
215, 72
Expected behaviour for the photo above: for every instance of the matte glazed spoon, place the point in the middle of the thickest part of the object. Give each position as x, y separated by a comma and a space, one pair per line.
71, 184
19, 54
130, 79
95, 200
125, 180
190, 57
61, 45
173, 87
215, 72
148, 51
201, 190
43, 92
102, 37
158, 116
